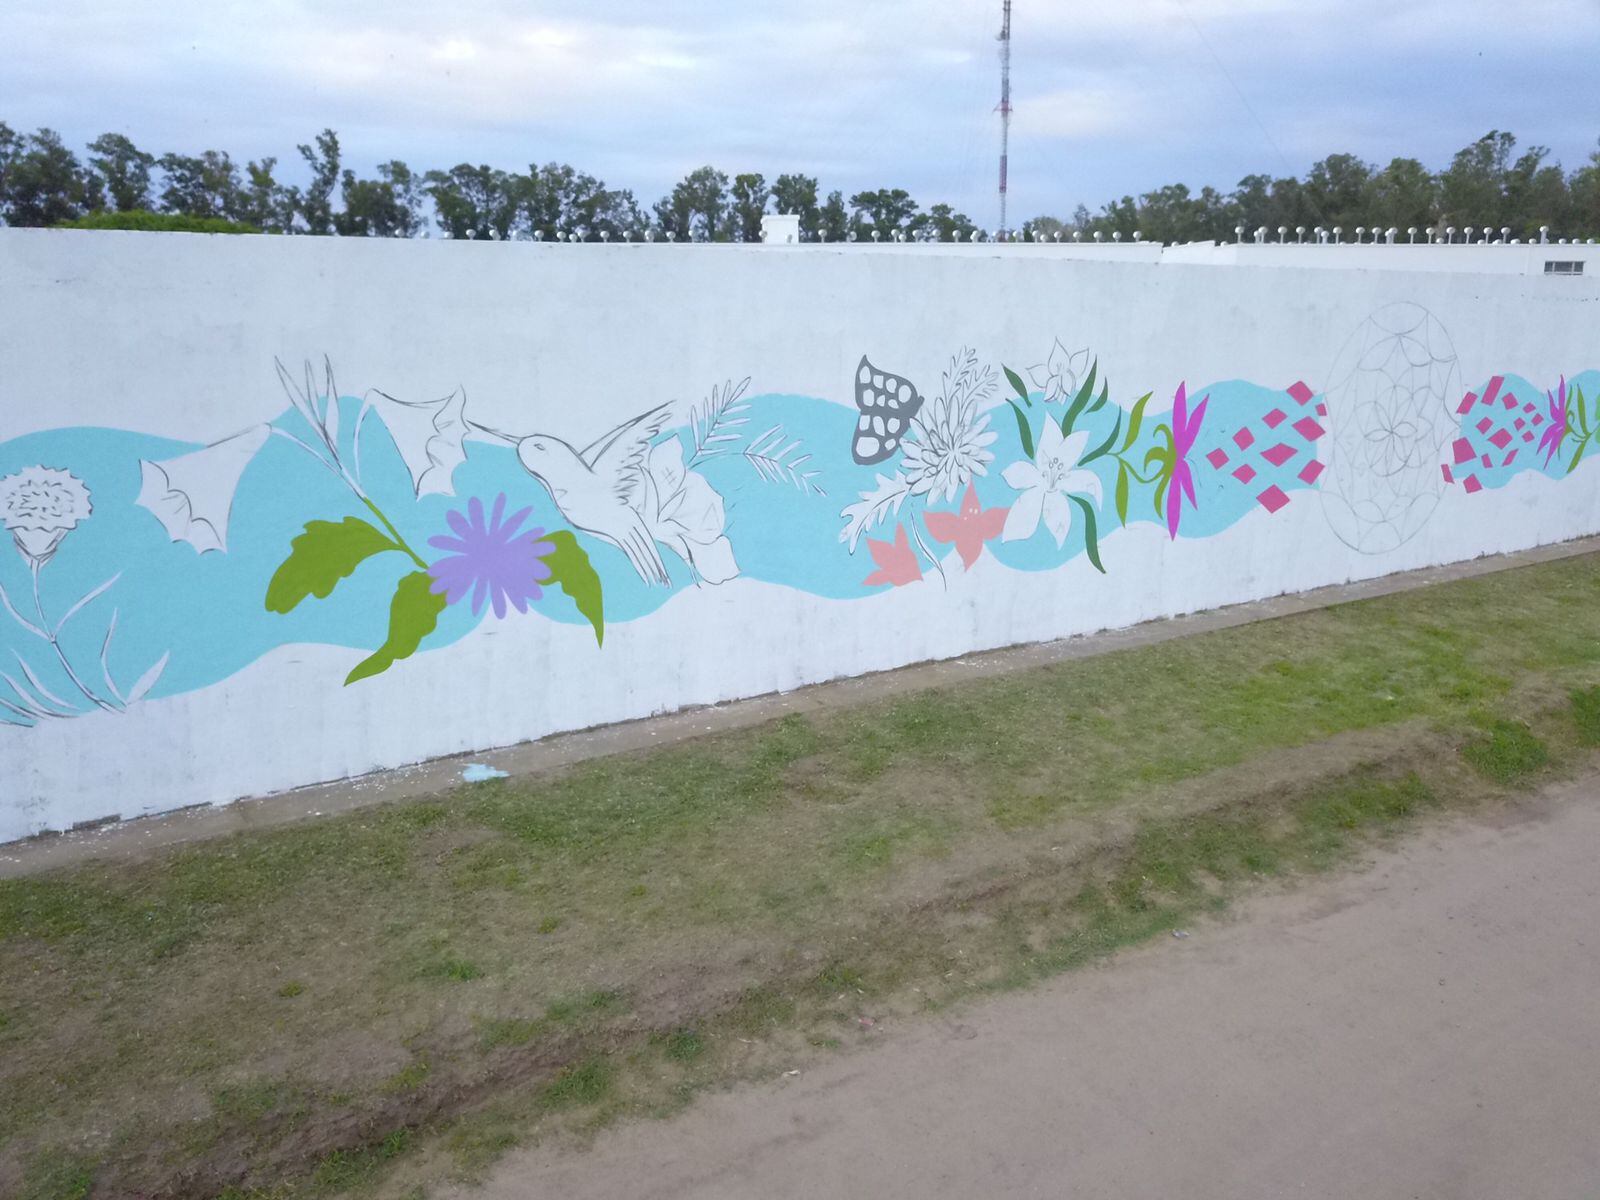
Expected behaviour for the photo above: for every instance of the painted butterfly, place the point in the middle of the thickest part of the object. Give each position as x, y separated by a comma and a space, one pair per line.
887, 403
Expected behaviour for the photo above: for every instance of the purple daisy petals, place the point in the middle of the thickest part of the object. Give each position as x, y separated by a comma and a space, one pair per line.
490, 560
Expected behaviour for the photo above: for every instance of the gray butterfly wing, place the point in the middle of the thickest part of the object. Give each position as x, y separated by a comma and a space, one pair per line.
887, 402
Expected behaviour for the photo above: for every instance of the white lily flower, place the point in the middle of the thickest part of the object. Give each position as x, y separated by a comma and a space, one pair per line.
192, 495
1046, 483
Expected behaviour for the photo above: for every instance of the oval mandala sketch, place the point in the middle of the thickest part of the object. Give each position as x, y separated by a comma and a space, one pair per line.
1388, 399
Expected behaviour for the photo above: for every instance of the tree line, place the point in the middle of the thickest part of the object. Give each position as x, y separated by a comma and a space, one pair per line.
43, 182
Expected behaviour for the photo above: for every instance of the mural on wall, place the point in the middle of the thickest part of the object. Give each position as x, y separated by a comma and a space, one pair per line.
145, 567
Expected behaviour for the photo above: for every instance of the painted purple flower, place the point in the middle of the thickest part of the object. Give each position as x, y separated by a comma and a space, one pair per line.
491, 560
1185, 429
1557, 427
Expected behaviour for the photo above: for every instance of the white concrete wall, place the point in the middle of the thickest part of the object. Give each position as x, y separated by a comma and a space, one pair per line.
175, 335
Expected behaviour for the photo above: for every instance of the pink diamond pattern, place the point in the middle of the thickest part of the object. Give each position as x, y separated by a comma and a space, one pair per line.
1274, 418
1309, 472
1462, 449
1244, 439
1501, 439
1244, 473
1272, 499
1218, 458
1300, 392
1308, 429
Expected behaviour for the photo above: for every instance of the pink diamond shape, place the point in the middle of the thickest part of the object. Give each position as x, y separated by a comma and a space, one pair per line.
1322, 409
1278, 455
1486, 460
1244, 473
1244, 439
1308, 429
1463, 449
1272, 499
1520, 422
1274, 418
1218, 458
1501, 439
1493, 390
1471, 484
1528, 437
1509, 459
1509, 400
1448, 476
1485, 425
1472, 398
1528, 407
1300, 392
1310, 471
1538, 420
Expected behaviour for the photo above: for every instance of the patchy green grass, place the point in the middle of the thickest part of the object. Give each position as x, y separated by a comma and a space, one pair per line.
292, 1012
1508, 752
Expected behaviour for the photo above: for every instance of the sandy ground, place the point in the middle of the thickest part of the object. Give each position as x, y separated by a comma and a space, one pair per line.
1428, 1027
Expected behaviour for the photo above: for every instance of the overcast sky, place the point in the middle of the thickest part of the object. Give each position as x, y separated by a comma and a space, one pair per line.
1111, 96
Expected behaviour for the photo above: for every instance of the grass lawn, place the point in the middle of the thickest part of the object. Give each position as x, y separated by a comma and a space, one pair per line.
371, 1003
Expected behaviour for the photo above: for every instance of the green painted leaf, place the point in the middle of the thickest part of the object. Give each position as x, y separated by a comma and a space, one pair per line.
1134, 421
1091, 540
1023, 431
1080, 401
1100, 401
1105, 446
571, 570
321, 556
413, 614
1122, 492
1016, 382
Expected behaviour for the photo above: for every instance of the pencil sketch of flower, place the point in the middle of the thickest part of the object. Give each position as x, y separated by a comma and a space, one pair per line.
947, 442
429, 434
686, 512
192, 494
1057, 377
39, 507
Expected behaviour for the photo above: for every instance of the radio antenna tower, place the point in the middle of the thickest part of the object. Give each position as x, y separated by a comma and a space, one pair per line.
1005, 107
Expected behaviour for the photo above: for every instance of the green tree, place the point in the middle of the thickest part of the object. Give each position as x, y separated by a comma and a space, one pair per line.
941, 221
1336, 192
560, 201
1404, 195
749, 201
1472, 189
263, 201
1536, 195
1583, 190
205, 185
316, 204
886, 211
43, 181
476, 201
797, 196
383, 207
834, 219
697, 207
124, 170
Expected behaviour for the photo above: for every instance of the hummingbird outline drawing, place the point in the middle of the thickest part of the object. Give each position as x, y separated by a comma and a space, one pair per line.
629, 490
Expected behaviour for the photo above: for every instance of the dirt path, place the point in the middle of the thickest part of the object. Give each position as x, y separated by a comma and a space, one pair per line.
1426, 1028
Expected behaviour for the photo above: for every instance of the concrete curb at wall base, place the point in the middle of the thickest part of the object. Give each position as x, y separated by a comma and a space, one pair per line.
133, 839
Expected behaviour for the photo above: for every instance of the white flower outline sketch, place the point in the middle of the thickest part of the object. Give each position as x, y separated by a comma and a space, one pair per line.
40, 506
430, 436
1057, 377
1047, 483
192, 494
947, 448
